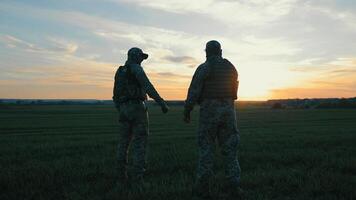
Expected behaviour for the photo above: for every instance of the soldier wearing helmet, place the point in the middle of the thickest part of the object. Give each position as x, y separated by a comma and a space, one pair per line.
214, 87
130, 92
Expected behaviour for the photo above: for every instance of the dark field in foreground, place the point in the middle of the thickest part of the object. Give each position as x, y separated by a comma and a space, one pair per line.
68, 152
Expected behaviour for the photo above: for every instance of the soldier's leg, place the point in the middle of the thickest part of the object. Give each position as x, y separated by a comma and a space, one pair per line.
139, 142
125, 135
229, 138
206, 145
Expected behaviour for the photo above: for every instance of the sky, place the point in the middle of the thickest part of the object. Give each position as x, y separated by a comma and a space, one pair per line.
281, 48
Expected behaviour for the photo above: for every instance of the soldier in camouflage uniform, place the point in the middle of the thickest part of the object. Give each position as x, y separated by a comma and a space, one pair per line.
130, 92
214, 86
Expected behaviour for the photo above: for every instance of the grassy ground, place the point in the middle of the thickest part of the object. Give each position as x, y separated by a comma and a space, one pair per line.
68, 152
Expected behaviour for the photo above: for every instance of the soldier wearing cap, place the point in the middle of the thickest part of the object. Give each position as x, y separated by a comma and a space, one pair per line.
214, 87
130, 91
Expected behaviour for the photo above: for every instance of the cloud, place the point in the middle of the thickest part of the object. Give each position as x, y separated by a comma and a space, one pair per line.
331, 79
339, 65
125, 35
276, 45
254, 12
54, 45
62, 45
170, 85
148, 37
188, 60
172, 75
344, 16
117, 36
344, 71
311, 93
13, 42
73, 71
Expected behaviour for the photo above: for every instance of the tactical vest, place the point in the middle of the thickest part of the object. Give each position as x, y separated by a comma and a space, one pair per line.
128, 87
221, 82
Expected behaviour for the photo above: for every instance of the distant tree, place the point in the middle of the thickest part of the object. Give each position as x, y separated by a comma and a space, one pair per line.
324, 105
343, 103
277, 105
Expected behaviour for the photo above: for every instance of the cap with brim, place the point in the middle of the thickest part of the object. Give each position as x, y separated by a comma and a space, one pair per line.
144, 56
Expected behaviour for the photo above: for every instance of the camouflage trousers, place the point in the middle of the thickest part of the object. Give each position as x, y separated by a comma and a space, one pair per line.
133, 130
217, 121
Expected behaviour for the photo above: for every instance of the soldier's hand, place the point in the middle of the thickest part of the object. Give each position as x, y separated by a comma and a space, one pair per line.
164, 106
186, 114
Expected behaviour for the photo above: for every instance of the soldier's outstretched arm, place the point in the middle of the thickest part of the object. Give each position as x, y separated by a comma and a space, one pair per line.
148, 87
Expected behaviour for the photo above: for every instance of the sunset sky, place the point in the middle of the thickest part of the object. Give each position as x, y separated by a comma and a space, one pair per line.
281, 48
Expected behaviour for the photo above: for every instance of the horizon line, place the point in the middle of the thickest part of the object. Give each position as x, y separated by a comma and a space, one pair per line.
79, 99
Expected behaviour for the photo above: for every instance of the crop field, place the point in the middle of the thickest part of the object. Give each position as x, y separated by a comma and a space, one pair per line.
69, 151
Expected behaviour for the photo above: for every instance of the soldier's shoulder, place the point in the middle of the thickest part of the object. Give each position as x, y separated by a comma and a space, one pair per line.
121, 68
228, 61
118, 70
202, 70
202, 66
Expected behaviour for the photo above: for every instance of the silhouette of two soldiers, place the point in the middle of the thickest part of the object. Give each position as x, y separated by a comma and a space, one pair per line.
213, 86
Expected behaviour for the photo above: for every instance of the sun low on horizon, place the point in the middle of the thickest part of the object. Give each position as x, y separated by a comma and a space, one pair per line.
281, 49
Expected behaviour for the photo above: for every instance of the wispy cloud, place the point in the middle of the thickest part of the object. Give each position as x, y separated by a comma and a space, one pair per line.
332, 79
338, 65
13, 42
311, 93
187, 60
255, 12
170, 75
62, 45
54, 45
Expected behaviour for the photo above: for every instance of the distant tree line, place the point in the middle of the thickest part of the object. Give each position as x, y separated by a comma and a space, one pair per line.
52, 102
342, 103
274, 104
313, 103
72, 102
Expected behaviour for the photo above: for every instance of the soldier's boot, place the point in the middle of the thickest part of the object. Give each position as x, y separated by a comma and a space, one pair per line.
136, 176
233, 189
201, 189
122, 178
138, 184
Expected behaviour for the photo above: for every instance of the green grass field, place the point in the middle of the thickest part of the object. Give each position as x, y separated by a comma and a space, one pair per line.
68, 152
